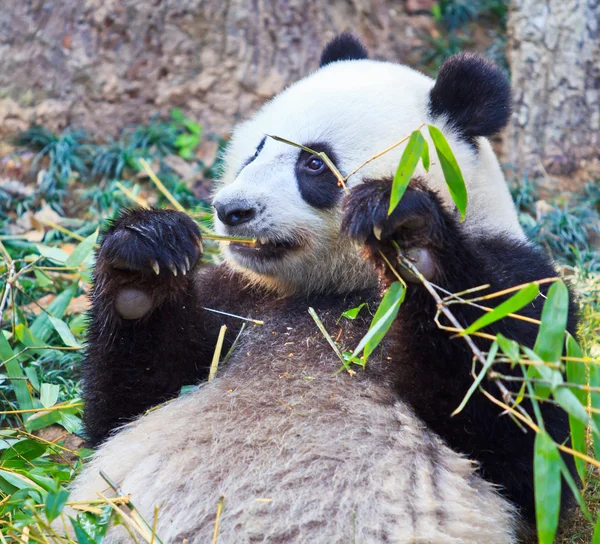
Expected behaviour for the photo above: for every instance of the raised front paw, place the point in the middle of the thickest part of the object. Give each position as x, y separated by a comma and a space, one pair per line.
416, 225
157, 244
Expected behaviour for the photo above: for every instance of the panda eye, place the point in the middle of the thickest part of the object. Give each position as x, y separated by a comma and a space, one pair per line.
315, 164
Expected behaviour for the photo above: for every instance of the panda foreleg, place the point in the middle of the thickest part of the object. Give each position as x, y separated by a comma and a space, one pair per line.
146, 333
433, 370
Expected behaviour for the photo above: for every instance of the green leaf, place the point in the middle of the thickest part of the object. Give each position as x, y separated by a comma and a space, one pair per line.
193, 127
187, 140
42, 327
576, 373
410, 158
64, 332
55, 502
24, 449
26, 337
594, 370
15, 372
546, 464
177, 115
562, 394
65, 416
70, 422
551, 335
452, 173
425, 156
596, 539
513, 304
83, 249
43, 281
52, 253
571, 404
32, 376
49, 394
82, 536
91, 528
19, 480
352, 313
510, 348
382, 320
574, 487
488, 363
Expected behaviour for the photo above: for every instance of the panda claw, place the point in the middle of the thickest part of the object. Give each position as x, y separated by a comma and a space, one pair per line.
173, 269
187, 265
377, 230
155, 267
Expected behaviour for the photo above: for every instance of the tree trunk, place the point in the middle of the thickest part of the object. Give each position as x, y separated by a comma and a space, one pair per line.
103, 64
554, 55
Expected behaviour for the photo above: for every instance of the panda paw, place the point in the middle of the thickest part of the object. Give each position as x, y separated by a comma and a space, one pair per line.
415, 226
158, 244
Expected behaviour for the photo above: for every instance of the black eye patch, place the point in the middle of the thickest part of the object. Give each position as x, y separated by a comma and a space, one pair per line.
259, 148
317, 183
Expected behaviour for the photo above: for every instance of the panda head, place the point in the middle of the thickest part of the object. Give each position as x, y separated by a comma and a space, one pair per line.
353, 108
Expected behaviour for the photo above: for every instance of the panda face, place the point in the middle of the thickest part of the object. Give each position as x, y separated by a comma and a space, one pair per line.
290, 201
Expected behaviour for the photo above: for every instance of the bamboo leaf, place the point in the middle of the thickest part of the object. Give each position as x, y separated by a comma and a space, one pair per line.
574, 487
49, 394
513, 304
15, 372
452, 173
488, 363
551, 336
352, 313
42, 327
410, 158
576, 373
562, 394
425, 156
64, 332
383, 319
52, 253
81, 252
510, 348
546, 464
55, 502
594, 369
596, 539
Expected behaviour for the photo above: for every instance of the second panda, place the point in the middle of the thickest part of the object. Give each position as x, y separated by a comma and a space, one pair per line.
300, 452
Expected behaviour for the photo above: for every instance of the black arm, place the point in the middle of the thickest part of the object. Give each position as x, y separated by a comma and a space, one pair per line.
427, 355
148, 333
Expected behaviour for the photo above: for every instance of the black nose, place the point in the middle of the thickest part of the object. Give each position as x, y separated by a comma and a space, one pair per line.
235, 213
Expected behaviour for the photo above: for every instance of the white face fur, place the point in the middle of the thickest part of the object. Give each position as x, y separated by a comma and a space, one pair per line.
357, 108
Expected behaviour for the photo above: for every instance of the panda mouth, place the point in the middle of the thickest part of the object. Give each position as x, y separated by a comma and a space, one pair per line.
264, 249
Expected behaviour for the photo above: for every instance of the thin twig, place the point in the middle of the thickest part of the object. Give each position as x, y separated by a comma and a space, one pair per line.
217, 354
383, 152
220, 506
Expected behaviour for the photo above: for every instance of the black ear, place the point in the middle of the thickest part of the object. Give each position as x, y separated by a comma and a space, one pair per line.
346, 46
473, 93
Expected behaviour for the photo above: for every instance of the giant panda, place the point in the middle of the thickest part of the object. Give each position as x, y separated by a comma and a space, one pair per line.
299, 451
